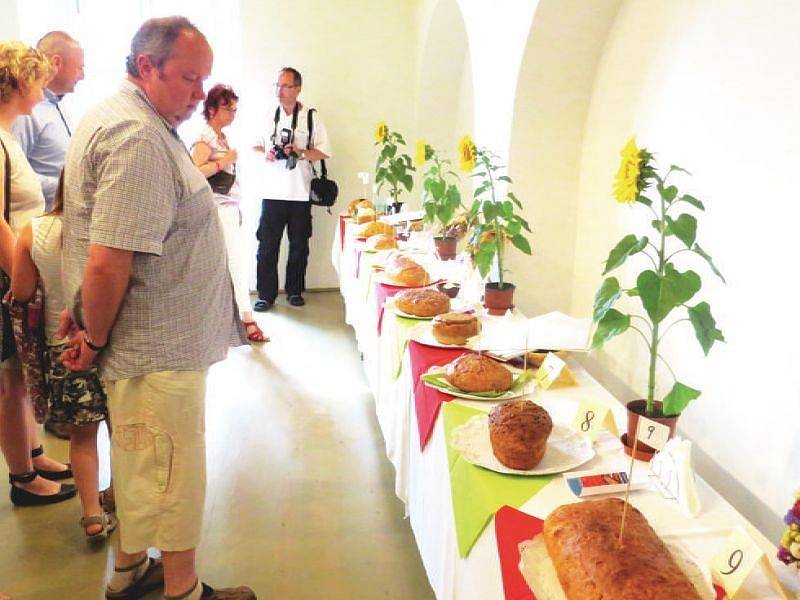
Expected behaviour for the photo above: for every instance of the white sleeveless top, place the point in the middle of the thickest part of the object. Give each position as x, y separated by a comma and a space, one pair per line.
46, 255
219, 148
27, 200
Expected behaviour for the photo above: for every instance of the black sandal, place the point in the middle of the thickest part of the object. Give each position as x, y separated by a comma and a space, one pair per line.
20, 497
51, 475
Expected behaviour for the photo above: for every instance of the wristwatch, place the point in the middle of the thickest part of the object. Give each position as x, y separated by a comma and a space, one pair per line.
302, 154
92, 346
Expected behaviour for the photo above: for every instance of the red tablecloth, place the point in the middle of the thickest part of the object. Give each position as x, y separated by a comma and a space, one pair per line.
342, 223
382, 292
427, 401
512, 527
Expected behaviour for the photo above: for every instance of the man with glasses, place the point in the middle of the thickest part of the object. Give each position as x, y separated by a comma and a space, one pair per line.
285, 185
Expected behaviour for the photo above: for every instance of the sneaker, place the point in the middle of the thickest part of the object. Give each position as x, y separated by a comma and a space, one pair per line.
262, 305
238, 593
297, 301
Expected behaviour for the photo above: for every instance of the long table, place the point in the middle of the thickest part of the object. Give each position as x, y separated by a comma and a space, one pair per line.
422, 475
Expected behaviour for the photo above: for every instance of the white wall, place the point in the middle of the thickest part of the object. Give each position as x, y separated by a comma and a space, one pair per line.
358, 66
9, 24
714, 87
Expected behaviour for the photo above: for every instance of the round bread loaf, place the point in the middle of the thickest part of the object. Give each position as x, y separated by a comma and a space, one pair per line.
401, 270
518, 431
365, 215
478, 373
425, 302
381, 241
455, 328
375, 228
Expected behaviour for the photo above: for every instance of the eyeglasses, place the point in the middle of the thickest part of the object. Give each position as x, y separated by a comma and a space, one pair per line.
284, 86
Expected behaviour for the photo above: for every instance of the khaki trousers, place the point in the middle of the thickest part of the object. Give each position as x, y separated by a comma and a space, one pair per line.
158, 459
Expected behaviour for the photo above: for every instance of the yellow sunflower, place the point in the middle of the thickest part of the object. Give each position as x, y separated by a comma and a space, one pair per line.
381, 131
625, 182
420, 155
467, 153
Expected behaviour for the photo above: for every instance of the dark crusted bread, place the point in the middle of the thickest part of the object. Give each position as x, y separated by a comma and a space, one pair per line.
478, 373
581, 540
454, 328
518, 430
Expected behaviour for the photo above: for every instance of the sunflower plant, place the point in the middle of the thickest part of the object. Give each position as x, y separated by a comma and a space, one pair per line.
392, 168
666, 294
496, 220
441, 198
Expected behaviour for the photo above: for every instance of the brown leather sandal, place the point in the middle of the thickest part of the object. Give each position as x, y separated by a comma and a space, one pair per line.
108, 523
151, 579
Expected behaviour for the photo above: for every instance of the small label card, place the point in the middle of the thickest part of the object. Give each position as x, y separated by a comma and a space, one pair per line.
592, 417
652, 433
553, 369
738, 557
672, 472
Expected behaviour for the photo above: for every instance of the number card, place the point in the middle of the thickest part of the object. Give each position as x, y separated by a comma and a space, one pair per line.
737, 559
592, 417
549, 372
652, 433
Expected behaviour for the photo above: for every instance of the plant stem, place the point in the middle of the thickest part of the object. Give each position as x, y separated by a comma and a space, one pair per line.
651, 382
498, 237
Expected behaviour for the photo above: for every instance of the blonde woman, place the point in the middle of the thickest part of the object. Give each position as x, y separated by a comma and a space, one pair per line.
24, 72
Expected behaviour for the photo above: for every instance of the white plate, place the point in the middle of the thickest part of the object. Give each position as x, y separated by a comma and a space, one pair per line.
423, 333
565, 448
454, 307
508, 395
400, 313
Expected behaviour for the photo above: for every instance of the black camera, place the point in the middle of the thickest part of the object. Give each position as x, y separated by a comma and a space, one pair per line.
280, 154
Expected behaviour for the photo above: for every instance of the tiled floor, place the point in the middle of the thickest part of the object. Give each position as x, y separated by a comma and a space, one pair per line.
300, 501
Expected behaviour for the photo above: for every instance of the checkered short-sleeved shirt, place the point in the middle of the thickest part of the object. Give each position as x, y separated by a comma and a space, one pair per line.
130, 184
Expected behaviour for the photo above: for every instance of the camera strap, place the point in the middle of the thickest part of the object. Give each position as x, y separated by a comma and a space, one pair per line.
308, 144
295, 112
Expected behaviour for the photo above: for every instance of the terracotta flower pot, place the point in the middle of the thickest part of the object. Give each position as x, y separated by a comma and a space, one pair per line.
446, 247
635, 410
498, 300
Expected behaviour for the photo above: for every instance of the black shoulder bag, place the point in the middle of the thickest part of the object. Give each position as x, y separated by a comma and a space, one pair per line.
323, 190
221, 182
7, 333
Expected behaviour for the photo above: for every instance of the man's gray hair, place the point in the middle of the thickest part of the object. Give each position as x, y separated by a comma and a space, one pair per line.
56, 42
156, 39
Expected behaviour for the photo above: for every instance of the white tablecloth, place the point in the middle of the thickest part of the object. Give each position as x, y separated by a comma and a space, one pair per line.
422, 478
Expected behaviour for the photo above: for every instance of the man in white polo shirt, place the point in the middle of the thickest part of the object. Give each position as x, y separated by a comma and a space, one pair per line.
285, 183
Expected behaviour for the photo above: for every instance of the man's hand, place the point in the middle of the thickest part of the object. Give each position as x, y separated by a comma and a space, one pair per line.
66, 326
292, 149
270, 156
78, 357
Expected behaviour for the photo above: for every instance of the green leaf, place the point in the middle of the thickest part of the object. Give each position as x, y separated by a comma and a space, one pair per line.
677, 168
407, 181
430, 212
490, 211
705, 327
678, 399
626, 247
505, 178
700, 252
668, 193
485, 256
514, 199
605, 298
684, 228
521, 244
611, 325
644, 200
692, 200
659, 295
656, 224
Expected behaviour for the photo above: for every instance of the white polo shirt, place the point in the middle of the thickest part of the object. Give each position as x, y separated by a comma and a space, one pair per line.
278, 182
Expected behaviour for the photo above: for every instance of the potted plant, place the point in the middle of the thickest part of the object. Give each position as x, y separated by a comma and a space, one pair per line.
391, 168
441, 198
664, 292
496, 223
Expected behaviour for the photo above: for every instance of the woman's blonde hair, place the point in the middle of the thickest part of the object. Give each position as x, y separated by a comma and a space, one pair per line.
21, 64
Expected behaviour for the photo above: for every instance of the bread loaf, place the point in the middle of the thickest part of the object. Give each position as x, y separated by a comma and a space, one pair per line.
581, 540
401, 270
375, 228
365, 215
354, 205
424, 302
478, 373
381, 241
518, 431
454, 328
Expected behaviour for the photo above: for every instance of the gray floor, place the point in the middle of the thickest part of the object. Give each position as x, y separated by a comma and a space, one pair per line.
300, 501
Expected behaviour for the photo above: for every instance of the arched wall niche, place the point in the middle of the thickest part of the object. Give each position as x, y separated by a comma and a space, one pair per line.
553, 95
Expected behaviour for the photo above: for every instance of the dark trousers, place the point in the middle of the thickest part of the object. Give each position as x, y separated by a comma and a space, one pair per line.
277, 215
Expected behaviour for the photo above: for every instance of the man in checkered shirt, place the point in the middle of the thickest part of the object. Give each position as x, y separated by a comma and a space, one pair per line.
145, 262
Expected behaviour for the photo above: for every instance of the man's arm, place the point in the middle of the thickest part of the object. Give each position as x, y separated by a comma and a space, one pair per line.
105, 282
